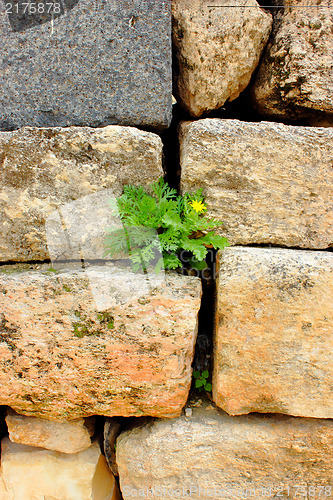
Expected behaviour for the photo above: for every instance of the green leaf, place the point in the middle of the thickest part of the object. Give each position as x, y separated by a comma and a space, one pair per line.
172, 220
198, 383
171, 261
158, 210
196, 374
208, 387
159, 266
205, 374
198, 264
215, 240
198, 249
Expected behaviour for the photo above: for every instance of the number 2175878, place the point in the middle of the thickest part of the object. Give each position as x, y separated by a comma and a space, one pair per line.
30, 8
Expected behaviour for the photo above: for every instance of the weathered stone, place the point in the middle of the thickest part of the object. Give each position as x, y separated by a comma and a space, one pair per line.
295, 75
112, 429
4, 495
217, 48
104, 486
35, 474
42, 172
274, 344
237, 457
66, 437
96, 342
267, 182
3, 490
102, 63
3, 427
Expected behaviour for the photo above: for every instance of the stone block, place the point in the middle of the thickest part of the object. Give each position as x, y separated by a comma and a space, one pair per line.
55, 185
216, 50
295, 75
98, 63
35, 474
214, 455
267, 182
66, 437
274, 344
99, 341
4, 495
3, 427
112, 429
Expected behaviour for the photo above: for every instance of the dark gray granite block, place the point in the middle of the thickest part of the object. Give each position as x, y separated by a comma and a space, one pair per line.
85, 62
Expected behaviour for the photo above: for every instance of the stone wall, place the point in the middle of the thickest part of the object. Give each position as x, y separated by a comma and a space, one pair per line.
96, 361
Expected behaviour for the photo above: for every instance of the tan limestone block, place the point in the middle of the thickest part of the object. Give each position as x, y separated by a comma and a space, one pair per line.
273, 348
295, 76
67, 437
4, 494
250, 456
99, 341
55, 184
104, 486
33, 473
216, 50
267, 182
3, 427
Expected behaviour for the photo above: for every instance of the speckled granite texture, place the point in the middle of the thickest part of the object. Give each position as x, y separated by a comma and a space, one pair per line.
101, 63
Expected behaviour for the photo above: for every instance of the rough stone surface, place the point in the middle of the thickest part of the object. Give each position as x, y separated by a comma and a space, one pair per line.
295, 75
4, 495
216, 50
112, 429
191, 457
66, 437
56, 183
3, 427
102, 63
96, 342
267, 182
274, 344
35, 474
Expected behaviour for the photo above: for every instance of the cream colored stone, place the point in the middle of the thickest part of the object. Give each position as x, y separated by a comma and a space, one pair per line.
67, 437
4, 495
36, 474
295, 75
103, 341
216, 50
274, 343
267, 182
257, 457
62, 178
3, 427
104, 486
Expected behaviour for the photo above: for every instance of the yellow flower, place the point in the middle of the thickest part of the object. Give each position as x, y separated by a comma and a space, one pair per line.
198, 206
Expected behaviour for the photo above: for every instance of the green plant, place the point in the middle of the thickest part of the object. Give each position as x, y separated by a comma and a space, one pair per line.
80, 330
84, 326
52, 270
179, 222
106, 318
201, 381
